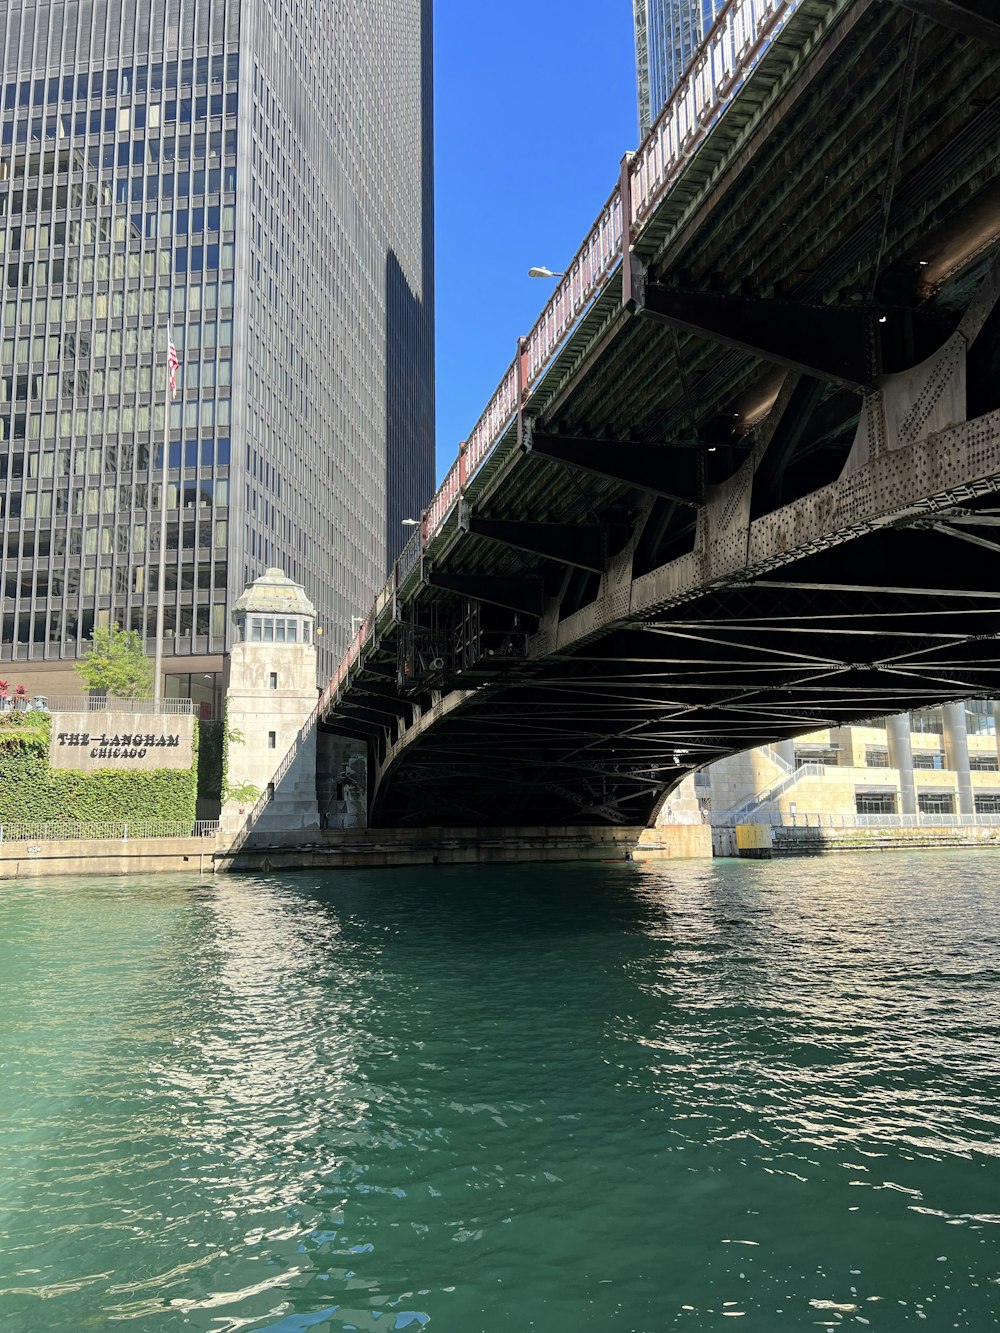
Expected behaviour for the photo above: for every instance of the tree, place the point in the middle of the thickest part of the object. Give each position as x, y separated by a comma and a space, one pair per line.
117, 663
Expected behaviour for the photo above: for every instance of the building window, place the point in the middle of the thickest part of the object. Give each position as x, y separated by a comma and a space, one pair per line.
273, 629
927, 722
273, 680
875, 802
988, 803
936, 803
818, 755
983, 763
925, 760
979, 719
272, 740
876, 757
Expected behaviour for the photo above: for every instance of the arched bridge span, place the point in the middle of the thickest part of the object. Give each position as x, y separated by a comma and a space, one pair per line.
741, 480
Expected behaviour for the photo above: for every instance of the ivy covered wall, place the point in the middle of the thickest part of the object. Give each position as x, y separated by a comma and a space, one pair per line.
31, 790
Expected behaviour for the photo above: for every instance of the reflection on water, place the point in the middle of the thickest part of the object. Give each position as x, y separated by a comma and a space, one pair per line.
572, 1097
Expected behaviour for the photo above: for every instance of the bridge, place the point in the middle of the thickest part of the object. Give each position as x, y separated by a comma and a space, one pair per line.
741, 479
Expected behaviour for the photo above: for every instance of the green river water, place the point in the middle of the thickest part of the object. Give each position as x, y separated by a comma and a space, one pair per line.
627, 1098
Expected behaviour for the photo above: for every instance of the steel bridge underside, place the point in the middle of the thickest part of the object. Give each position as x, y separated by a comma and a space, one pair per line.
757, 492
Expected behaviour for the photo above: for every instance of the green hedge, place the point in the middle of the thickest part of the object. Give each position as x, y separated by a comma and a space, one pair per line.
211, 760
30, 789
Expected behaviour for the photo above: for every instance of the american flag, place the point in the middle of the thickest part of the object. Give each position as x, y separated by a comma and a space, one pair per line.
173, 361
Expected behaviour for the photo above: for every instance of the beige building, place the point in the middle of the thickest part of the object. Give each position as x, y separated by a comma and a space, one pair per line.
926, 766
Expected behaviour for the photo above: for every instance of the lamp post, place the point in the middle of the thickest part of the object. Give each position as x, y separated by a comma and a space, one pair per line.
544, 273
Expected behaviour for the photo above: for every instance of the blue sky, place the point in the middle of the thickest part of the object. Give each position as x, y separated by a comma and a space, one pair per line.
534, 106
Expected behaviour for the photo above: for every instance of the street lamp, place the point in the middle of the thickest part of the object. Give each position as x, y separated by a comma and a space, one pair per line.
544, 273
410, 522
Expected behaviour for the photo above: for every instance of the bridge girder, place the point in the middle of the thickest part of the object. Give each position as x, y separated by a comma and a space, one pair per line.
665, 470
829, 550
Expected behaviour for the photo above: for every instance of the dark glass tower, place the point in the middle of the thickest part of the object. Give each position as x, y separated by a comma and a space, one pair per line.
257, 175
667, 34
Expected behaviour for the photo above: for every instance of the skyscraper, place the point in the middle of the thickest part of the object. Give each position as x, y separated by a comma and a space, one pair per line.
254, 178
667, 34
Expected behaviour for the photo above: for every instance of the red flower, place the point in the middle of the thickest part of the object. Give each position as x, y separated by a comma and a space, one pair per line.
20, 692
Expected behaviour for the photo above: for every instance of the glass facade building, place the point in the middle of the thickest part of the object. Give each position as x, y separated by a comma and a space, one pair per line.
667, 34
254, 178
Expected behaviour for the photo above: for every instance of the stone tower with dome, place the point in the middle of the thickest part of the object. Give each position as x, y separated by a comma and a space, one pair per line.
271, 695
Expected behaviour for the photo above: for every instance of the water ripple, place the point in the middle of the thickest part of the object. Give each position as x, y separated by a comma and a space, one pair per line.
563, 1098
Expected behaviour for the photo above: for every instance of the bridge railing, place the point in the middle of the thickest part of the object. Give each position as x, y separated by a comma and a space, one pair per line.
742, 31
728, 53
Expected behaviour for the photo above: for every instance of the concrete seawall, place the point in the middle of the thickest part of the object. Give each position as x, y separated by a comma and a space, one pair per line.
369, 849
105, 856
464, 846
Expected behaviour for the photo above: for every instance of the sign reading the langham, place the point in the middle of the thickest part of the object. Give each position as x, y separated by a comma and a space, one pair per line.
88, 741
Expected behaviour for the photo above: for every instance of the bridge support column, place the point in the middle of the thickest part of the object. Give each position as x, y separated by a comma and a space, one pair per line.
956, 754
897, 730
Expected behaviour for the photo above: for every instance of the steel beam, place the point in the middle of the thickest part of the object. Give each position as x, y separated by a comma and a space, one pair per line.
659, 469
515, 594
829, 342
569, 543
972, 18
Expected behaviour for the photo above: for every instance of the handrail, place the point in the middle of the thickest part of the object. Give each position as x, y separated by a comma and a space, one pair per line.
779, 786
739, 36
923, 819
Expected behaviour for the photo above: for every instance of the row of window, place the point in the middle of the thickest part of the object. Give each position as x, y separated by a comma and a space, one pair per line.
112, 383
928, 803
103, 230
119, 456
73, 627
203, 414
59, 583
277, 629
62, 125
44, 273
205, 71
978, 763
103, 194
126, 537
204, 494
196, 299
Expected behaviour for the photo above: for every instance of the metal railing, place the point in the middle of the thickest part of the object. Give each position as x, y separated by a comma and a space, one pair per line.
89, 703
778, 788
741, 33
778, 760
819, 820
118, 830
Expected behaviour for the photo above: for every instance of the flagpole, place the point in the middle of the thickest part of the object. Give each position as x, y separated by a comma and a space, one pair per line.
162, 562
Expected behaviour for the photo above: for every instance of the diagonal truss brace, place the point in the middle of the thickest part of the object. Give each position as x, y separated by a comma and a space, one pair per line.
973, 18
570, 543
514, 594
829, 342
659, 469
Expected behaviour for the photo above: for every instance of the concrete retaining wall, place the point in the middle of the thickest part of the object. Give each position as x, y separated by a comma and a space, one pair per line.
465, 846
371, 849
105, 856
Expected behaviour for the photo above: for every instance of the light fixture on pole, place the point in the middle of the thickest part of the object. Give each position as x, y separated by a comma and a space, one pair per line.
544, 273
410, 522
